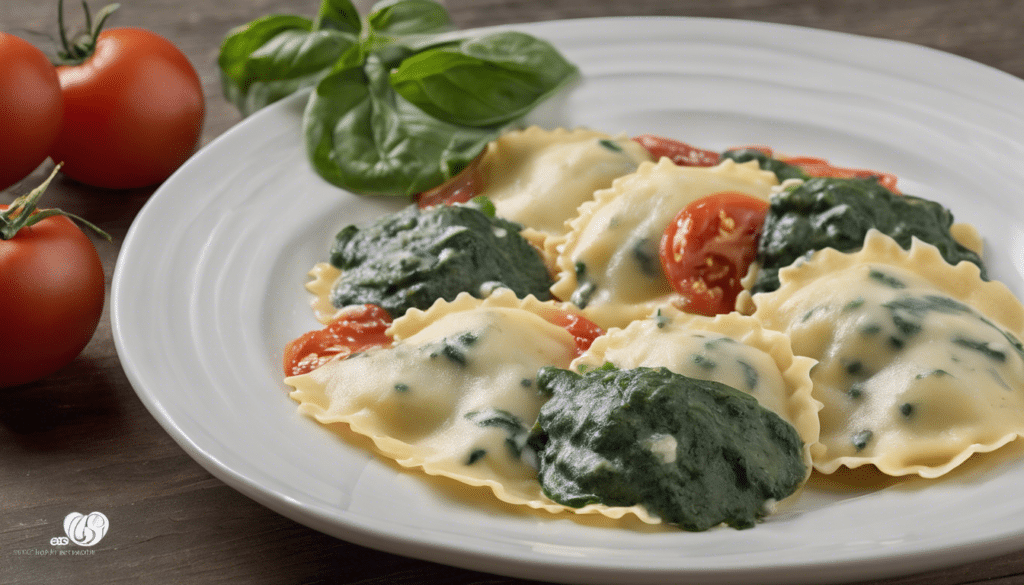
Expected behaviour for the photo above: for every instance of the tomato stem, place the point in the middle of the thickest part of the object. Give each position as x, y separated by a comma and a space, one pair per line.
23, 212
84, 43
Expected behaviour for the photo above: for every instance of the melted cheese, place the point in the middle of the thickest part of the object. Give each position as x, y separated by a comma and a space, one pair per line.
920, 363
608, 263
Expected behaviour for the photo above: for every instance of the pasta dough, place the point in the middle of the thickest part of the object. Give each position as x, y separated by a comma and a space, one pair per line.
920, 363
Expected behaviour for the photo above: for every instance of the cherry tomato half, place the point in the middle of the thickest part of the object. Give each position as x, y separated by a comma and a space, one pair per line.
355, 329
51, 293
31, 108
679, 153
458, 189
133, 111
708, 248
582, 329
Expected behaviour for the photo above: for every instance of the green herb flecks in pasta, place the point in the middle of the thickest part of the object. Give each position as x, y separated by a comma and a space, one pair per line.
886, 279
982, 347
750, 375
856, 390
703, 362
610, 145
661, 320
645, 253
517, 433
909, 312
585, 289
861, 439
454, 348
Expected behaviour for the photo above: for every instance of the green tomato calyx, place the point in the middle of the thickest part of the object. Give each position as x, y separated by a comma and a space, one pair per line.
23, 212
78, 49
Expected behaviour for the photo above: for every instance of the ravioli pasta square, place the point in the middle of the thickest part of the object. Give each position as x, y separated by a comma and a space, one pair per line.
608, 263
537, 178
446, 399
920, 362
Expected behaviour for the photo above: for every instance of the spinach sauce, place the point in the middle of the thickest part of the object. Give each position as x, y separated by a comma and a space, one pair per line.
695, 453
414, 257
834, 213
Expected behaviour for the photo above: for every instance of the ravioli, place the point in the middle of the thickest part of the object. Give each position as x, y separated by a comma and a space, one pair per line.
445, 398
731, 349
920, 362
608, 263
538, 178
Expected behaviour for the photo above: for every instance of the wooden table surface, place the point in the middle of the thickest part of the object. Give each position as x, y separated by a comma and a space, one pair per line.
81, 440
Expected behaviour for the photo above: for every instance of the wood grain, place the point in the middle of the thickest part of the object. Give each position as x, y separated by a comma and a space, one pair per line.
81, 440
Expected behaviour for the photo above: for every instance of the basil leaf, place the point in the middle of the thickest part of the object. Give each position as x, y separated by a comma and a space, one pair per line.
362, 136
339, 15
243, 40
275, 56
406, 17
482, 81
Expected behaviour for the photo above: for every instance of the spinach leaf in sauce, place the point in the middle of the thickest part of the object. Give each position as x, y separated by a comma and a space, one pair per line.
695, 453
837, 213
516, 431
414, 257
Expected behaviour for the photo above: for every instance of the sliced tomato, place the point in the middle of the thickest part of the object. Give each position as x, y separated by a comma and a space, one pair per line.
458, 189
679, 153
819, 167
355, 329
582, 329
708, 248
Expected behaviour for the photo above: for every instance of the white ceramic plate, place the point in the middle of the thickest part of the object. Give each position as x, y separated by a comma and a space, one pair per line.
209, 288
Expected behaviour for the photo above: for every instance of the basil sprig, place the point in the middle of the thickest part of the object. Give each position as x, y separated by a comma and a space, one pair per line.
400, 103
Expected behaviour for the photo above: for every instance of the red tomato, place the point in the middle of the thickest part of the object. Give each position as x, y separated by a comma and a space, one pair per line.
356, 329
708, 248
679, 153
581, 328
458, 189
51, 298
133, 111
31, 108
